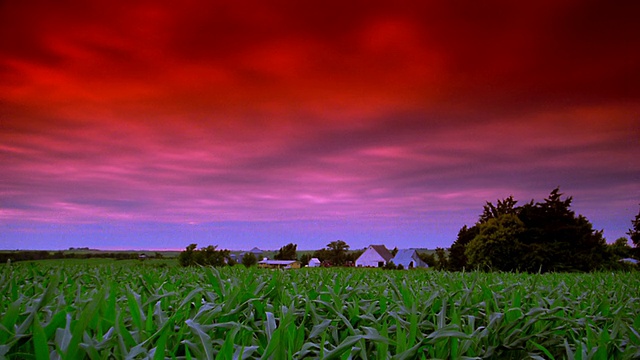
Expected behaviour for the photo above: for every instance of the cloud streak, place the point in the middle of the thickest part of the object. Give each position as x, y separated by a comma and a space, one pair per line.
366, 114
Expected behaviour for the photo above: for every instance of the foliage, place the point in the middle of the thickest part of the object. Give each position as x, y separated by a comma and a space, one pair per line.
429, 259
558, 240
457, 256
187, 257
502, 207
249, 259
634, 232
543, 236
141, 312
287, 252
321, 254
304, 259
336, 252
390, 266
206, 256
497, 247
353, 255
31, 255
620, 248
442, 262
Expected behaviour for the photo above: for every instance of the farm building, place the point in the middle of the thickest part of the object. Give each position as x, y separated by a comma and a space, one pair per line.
314, 262
374, 256
409, 259
279, 264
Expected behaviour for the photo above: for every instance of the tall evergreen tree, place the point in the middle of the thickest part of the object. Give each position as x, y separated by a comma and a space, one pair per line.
557, 239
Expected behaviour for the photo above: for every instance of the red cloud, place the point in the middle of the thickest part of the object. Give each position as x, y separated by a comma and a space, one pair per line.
209, 112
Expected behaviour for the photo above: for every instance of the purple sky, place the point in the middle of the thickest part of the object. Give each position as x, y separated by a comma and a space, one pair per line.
151, 127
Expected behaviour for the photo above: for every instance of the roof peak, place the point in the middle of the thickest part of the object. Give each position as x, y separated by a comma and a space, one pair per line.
382, 251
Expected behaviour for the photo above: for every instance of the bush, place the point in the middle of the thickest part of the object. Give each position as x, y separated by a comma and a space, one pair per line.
249, 259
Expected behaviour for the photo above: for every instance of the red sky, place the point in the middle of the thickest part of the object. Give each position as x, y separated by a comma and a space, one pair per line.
260, 123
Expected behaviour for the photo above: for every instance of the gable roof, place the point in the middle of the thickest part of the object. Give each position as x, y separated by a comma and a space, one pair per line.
406, 256
382, 251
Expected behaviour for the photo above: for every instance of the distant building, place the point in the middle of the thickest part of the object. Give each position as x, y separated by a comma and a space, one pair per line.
239, 256
629, 261
314, 262
374, 256
279, 264
409, 259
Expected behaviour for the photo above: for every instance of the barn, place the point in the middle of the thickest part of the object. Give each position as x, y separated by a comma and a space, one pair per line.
409, 259
374, 256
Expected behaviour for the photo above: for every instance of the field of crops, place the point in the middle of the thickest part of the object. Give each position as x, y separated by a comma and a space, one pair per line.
111, 311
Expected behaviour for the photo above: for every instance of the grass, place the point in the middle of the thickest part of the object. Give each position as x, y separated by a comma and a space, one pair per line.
142, 310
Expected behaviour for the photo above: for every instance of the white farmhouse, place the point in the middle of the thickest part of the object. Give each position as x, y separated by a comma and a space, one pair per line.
314, 262
374, 256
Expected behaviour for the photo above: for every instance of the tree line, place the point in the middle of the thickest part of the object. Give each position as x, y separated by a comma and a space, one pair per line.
535, 237
32, 255
336, 253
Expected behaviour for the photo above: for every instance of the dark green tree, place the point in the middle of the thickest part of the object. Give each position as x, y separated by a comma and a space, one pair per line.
321, 254
337, 251
506, 206
556, 239
249, 259
457, 257
496, 247
457, 253
211, 256
634, 232
187, 257
430, 259
208, 256
442, 263
620, 248
287, 252
542, 236
304, 259
352, 256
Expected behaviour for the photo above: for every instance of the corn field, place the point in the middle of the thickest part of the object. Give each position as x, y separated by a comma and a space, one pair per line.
111, 311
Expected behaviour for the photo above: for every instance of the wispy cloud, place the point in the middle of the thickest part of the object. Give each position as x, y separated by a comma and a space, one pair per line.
375, 114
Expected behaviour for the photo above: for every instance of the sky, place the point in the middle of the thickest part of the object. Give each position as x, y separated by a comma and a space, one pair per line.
156, 124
